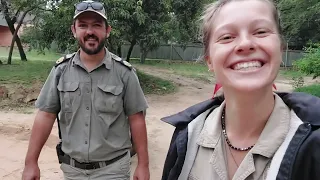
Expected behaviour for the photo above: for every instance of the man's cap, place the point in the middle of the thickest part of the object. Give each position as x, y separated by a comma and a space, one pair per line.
89, 8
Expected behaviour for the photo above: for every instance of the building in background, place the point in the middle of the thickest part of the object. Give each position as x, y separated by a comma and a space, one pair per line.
5, 34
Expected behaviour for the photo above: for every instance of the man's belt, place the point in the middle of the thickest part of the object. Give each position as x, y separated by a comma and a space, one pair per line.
90, 165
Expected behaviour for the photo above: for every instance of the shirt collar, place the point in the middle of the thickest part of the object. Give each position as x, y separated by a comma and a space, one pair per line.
107, 60
270, 139
211, 132
275, 130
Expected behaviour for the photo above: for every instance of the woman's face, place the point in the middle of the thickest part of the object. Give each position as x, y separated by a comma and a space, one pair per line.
245, 48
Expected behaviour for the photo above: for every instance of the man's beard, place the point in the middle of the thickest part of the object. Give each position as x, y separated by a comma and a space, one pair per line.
101, 45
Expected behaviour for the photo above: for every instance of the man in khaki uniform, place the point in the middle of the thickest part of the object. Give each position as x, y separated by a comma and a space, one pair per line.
100, 103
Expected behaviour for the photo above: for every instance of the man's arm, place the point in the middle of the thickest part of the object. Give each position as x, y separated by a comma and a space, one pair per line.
139, 135
40, 132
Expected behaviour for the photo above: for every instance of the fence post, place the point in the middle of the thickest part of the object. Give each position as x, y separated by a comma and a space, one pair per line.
285, 65
171, 51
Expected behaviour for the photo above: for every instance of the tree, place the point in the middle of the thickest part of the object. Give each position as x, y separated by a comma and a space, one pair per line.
300, 21
20, 8
54, 26
153, 30
132, 21
11, 18
184, 21
124, 17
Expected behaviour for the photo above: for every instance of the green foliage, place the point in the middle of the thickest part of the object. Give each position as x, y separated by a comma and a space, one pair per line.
131, 20
184, 21
312, 89
53, 26
153, 31
310, 64
300, 20
124, 17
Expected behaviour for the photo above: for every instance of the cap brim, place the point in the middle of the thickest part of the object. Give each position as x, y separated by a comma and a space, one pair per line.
90, 10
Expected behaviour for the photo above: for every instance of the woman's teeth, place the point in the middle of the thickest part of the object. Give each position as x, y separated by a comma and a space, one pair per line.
247, 65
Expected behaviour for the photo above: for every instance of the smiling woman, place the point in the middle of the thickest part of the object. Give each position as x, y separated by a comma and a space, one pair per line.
245, 133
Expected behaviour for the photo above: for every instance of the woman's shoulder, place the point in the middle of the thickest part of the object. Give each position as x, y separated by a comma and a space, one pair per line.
306, 106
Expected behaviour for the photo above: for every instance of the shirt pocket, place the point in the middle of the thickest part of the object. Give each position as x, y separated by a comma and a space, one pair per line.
109, 98
69, 93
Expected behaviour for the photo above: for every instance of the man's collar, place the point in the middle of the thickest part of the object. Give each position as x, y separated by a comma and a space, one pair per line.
107, 60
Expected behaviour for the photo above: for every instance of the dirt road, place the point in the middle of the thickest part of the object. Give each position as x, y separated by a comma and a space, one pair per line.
15, 129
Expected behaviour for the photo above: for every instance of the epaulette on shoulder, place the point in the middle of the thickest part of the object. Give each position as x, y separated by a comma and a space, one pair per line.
63, 59
121, 61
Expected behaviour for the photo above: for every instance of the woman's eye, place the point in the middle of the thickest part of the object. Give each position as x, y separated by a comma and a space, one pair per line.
226, 38
260, 32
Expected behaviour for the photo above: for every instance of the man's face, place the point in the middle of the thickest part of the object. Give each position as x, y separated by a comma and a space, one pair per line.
91, 32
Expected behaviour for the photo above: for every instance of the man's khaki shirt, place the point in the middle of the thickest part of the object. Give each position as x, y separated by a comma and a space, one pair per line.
93, 107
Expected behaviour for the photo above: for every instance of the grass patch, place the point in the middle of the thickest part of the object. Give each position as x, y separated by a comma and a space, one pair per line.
311, 89
192, 69
155, 85
32, 55
29, 73
291, 73
25, 72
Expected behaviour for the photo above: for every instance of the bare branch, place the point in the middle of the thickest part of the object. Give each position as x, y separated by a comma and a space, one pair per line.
18, 12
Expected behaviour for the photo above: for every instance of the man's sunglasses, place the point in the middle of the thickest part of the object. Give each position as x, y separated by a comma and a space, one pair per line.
83, 6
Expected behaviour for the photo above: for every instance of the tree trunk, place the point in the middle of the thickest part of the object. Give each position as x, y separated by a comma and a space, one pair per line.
15, 36
119, 50
110, 45
143, 55
12, 29
133, 42
21, 50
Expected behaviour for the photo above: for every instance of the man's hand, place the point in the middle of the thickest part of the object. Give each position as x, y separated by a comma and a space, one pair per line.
139, 136
31, 172
141, 173
40, 132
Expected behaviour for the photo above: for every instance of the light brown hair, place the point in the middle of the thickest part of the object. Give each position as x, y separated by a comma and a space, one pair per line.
211, 11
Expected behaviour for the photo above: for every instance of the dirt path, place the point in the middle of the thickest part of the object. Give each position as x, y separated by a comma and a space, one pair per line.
15, 129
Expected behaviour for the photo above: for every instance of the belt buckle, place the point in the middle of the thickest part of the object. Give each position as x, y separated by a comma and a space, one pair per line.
90, 166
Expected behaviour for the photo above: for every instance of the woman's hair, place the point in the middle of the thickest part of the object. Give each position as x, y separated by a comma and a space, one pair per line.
211, 11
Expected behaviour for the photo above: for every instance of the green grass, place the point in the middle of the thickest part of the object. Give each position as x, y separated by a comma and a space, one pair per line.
311, 89
155, 85
25, 72
195, 70
32, 55
29, 72
291, 73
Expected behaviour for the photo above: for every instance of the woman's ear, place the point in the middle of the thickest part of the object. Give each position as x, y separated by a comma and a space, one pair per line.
209, 64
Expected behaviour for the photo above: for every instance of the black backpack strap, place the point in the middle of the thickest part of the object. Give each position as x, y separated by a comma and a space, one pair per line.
61, 60
58, 122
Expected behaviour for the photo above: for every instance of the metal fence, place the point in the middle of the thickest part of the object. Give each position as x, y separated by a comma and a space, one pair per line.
195, 52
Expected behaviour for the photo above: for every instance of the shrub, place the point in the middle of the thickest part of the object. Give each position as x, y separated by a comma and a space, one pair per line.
310, 63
